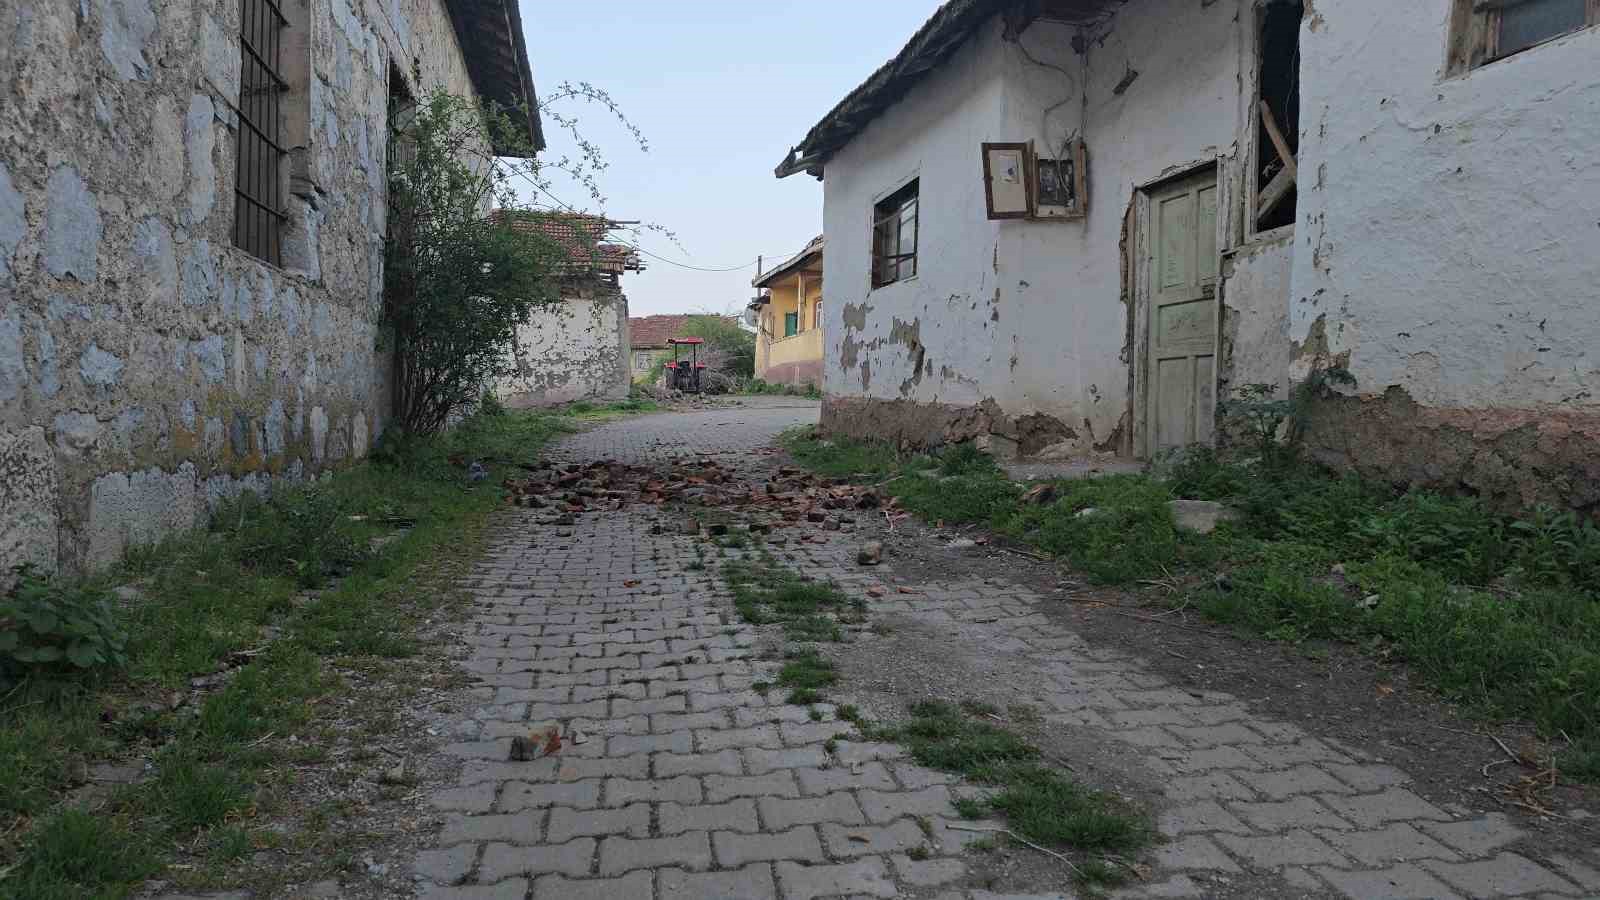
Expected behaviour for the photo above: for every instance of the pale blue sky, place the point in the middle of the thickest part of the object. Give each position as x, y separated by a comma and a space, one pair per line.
721, 91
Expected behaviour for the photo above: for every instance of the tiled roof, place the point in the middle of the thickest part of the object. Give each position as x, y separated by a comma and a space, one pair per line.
490, 32
811, 253
648, 332
581, 237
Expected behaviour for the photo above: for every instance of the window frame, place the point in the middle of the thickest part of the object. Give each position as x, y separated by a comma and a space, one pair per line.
891, 210
259, 195
816, 314
1475, 33
791, 324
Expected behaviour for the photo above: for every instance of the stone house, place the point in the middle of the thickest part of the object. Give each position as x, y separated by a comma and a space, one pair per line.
192, 217
788, 319
1076, 225
578, 347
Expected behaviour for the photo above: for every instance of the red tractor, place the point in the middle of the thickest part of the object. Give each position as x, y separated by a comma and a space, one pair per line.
684, 374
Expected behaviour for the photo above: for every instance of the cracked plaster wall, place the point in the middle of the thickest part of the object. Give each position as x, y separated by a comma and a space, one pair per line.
1024, 323
1446, 254
575, 349
147, 367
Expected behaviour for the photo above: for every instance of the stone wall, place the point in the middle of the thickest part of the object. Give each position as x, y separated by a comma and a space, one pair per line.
576, 349
148, 368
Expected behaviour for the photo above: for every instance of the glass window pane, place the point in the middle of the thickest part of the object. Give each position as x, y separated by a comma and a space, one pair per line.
1526, 24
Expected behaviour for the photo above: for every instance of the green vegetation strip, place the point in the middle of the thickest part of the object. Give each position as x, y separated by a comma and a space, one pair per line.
1501, 614
281, 592
1040, 804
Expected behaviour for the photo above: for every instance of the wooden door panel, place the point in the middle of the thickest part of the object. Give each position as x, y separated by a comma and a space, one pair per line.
1184, 270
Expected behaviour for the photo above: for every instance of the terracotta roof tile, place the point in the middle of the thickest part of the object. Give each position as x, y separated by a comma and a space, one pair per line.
653, 331
580, 236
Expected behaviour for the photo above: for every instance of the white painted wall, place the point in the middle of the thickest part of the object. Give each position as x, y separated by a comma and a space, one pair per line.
575, 349
1030, 314
1448, 226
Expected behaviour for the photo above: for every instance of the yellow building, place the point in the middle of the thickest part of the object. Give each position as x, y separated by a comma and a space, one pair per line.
788, 317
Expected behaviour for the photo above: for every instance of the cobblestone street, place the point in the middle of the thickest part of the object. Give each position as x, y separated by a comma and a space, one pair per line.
686, 783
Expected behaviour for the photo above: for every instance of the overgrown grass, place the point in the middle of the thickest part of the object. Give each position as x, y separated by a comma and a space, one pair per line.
234, 597
1501, 614
1039, 803
765, 592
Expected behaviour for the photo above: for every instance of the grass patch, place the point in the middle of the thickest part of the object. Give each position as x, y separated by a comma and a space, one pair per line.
1501, 614
806, 673
766, 593
1039, 803
270, 592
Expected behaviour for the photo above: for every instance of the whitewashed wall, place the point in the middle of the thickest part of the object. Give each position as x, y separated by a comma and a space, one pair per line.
575, 349
1026, 319
1447, 252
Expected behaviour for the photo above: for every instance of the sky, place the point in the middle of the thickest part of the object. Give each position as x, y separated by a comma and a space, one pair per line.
721, 91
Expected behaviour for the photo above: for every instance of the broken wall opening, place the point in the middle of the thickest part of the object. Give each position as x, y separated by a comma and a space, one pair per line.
1277, 113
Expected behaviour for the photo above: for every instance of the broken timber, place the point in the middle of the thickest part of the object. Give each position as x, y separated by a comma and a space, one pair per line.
1278, 188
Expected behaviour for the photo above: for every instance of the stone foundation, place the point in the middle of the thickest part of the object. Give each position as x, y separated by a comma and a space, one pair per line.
1512, 458
914, 426
797, 374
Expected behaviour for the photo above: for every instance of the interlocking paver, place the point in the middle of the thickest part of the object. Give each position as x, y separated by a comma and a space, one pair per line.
1505, 875
753, 882
693, 784
691, 850
867, 877
797, 844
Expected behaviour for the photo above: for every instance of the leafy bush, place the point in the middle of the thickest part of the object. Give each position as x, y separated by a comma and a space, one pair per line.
304, 532
49, 628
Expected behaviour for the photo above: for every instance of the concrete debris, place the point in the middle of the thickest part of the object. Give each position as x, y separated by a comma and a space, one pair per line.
870, 554
1201, 516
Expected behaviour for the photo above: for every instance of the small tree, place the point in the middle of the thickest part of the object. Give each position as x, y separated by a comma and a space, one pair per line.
456, 283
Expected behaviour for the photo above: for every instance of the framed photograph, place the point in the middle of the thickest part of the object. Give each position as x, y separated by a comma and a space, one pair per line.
1007, 181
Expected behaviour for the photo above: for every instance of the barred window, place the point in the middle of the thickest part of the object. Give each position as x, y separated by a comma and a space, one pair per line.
258, 184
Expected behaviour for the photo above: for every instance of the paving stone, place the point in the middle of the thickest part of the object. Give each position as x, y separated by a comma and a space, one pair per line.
1402, 882
1197, 852
735, 815
1505, 874
1400, 842
760, 736
927, 872
569, 823
1283, 756
519, 795
882, 806
1586, 876
1389, 805
1291, 848
1208, 759
691, 850
1278, 784
682, 789
505, 860
519, 828
1297, 812
1212, 785
511, 889
753, 882
849, 753
1476, 837
759, 760
446, 866
735, 849
795, 734
843, 841
778, 813
724, 762
1207, 815
672, 742
1228, 734
867, 877
774, 784
635, 886
477, 798
822, 781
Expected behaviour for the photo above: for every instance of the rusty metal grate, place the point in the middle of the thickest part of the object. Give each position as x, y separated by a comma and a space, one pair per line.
258, 212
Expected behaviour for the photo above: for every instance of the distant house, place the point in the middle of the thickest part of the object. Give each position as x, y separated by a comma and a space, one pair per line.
648, 336
788, 316
576, 349
1079, 227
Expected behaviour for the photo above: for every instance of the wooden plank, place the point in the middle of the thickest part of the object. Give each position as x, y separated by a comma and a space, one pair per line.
1271, 122
1273, 193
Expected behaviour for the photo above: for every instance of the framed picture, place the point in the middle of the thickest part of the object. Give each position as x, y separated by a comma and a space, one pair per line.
1007, 181
1060, 185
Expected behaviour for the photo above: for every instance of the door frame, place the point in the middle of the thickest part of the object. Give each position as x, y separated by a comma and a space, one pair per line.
1139, 267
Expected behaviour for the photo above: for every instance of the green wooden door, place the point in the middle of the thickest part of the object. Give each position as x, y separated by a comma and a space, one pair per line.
1184, 266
